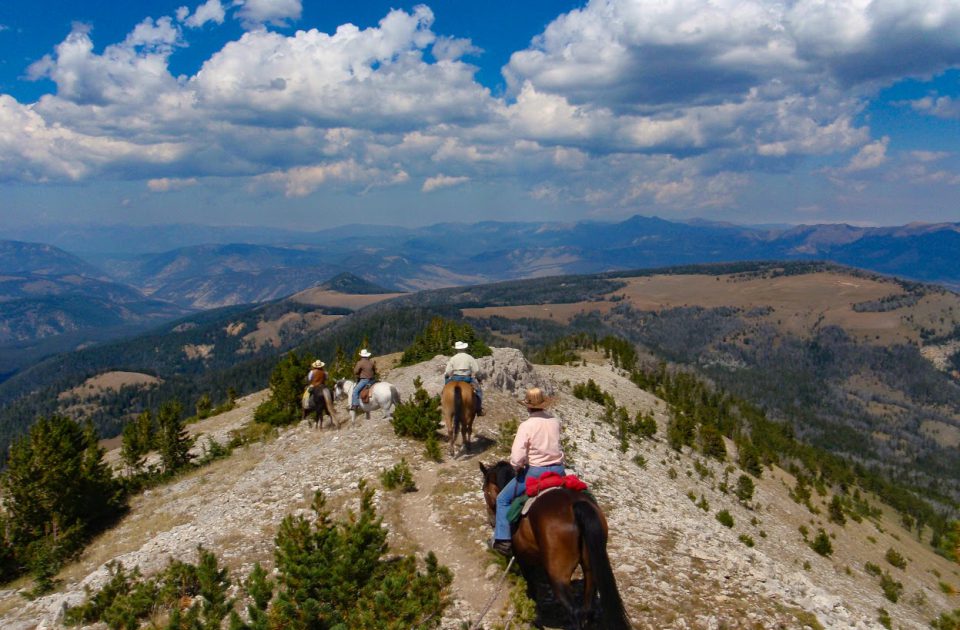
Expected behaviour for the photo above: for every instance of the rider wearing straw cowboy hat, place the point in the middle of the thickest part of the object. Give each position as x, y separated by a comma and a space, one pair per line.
536, 447
463, 367
366, 372
317, 376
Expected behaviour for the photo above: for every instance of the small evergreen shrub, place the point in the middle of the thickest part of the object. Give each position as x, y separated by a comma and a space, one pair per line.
329, 575
883, 617
745, 488
835, 511
748, 456
746, 539
432, 449
711, 442
895, 558
640, 460
592, 392
400, 476
821, 543
892, 589
646, 425
872, 569
418, 417
725, 518
947, 621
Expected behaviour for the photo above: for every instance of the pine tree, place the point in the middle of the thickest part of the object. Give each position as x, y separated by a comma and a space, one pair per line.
286, 386
173, 441
138, 438
438, 338
340, 366
56, 491
204, 406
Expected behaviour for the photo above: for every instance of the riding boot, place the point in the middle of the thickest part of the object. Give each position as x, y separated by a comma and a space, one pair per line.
503, 547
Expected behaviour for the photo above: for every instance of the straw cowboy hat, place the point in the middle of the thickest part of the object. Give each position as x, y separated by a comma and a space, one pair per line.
460, 345
535, 399
317, 364
365, 353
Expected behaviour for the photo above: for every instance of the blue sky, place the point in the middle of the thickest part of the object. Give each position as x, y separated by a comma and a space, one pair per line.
303, 113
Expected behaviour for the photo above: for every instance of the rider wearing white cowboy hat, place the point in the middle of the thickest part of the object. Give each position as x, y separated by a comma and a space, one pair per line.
366, 372
463, 367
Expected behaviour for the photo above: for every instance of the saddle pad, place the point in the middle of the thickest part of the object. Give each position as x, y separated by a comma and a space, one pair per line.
529, 503
535, 485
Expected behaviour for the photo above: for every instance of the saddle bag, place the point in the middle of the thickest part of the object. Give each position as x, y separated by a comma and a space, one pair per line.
306, 401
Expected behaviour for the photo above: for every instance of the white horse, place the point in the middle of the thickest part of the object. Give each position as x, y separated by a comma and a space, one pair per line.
383, 396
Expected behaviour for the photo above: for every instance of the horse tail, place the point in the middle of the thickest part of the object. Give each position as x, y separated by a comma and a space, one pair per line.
457, 410
612, 613
394, 395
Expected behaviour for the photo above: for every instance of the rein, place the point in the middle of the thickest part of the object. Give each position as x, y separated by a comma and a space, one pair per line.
496, 592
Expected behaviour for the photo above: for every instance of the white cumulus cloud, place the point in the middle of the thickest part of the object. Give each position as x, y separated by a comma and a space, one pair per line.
255, 13
166, 184
210, 11
443, 181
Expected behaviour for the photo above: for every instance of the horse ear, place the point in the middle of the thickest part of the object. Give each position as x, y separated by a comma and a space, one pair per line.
483, 469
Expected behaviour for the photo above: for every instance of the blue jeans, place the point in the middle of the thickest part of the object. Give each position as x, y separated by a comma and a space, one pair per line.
510, 492
467, 379
355, 399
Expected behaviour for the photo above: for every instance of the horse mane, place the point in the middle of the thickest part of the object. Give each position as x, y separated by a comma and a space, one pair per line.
501, 472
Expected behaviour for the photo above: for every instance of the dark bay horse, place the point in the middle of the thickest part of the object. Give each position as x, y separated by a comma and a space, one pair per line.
458, 411
562, 530
318, 402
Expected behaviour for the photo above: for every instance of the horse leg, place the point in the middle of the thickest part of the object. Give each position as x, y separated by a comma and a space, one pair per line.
532, 577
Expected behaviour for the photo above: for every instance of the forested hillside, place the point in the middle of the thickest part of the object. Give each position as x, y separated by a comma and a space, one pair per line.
842, 356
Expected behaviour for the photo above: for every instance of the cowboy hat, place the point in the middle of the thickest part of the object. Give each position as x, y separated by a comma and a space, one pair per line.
460, 345
317, 364
535, 399
365, 353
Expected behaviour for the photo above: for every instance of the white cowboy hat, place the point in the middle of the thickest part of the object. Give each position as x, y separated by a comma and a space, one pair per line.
460, 345
317, 364
365, 353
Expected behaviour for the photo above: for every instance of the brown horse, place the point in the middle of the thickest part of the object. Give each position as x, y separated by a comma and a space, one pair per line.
318, 402
457, 408
562, 530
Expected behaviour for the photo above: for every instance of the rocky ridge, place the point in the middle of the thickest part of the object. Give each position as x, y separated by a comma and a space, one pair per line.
676, 565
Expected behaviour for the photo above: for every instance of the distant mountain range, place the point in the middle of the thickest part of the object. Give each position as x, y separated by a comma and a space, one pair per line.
47, 292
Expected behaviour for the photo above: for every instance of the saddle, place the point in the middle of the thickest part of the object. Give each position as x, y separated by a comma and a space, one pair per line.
365, 393
535, 487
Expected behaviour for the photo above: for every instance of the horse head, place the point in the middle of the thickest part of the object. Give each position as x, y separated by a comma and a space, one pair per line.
495, 477
340, 389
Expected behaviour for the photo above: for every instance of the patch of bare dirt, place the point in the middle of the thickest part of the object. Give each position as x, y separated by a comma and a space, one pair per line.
323, 297
97, 385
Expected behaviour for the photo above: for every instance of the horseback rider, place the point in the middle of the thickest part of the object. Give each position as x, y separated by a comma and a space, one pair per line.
316, 381
317, 376
366, 373
463, 367
536, 447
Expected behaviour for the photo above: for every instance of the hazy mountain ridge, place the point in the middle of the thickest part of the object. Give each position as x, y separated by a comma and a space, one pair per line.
449, 254
51, 301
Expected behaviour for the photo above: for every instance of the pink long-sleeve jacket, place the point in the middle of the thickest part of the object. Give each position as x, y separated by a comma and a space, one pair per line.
537, 442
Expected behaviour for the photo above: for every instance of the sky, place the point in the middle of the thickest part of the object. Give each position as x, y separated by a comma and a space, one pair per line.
312, 114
